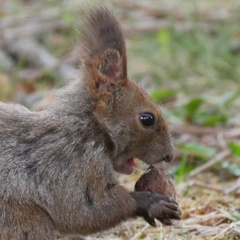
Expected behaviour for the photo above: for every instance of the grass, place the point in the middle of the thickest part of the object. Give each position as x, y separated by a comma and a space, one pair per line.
187, 61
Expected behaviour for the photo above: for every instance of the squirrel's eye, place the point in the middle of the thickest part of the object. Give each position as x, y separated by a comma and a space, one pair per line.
147, 119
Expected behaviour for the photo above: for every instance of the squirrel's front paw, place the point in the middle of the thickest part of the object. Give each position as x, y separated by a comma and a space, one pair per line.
155, 205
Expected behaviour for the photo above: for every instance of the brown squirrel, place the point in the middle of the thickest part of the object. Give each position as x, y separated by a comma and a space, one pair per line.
57, 165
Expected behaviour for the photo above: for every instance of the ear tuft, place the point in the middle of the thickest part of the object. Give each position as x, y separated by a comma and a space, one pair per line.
102, 42
103, 55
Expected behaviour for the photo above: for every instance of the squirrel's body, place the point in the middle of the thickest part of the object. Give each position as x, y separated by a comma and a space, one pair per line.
57, 166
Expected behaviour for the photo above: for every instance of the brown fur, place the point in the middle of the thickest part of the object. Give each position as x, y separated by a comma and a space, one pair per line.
57, 166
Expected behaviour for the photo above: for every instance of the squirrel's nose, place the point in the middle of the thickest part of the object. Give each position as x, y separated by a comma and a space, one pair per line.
170, 153
167, 158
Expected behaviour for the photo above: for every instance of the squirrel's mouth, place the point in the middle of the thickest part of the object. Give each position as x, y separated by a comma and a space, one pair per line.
124, 166
121, 165
130, 165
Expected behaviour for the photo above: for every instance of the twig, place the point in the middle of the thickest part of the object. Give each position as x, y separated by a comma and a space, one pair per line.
45, 15
213, 17
197, 227
218, 158
234, 187
232, 225
202, 131
32, 51
206, 186
156, 25
38, 56
196, 218
31, 30
161, 231
195, 130
221, 140
30, 75
146, 26
233, 133
157, 13
140, 232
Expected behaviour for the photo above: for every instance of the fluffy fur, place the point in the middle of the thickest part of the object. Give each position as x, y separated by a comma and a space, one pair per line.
57, 166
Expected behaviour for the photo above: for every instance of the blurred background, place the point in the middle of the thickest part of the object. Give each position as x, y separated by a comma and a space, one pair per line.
186, 55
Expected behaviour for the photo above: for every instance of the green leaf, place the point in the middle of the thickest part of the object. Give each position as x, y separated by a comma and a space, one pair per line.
236, 216
197, 149
192, 107
235, 148
183, 169
213, 120
160, 96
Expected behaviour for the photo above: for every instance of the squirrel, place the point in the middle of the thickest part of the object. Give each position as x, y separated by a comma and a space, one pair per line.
57, 166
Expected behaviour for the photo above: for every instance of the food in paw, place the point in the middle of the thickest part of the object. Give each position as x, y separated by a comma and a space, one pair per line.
156, 180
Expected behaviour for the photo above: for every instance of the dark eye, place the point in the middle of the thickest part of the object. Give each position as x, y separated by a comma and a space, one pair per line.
147, 119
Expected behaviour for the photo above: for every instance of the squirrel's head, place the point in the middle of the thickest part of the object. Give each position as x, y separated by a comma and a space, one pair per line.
134, 124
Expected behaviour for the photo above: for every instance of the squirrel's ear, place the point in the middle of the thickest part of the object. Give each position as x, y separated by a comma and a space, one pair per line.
104, 77
105, 74
103, 53
110, 66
